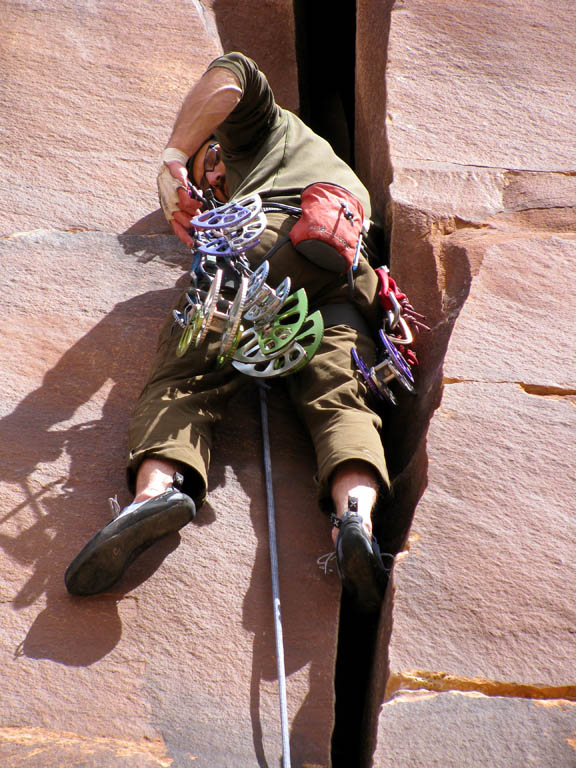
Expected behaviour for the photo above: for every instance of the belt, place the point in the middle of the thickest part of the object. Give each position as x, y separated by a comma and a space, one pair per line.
344, 314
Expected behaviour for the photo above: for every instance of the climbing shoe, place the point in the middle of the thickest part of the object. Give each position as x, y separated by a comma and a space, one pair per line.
107, 555
360, 563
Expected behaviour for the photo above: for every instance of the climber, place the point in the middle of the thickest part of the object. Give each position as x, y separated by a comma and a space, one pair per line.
230, 139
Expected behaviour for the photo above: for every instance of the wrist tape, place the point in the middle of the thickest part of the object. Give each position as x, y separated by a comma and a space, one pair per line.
172, 154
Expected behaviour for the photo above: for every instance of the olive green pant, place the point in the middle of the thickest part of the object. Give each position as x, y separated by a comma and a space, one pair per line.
185, 396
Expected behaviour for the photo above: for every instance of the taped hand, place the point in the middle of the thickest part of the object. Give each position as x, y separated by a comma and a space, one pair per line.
180, 201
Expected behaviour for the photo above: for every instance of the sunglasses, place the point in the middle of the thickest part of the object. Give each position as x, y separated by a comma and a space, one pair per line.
211, 160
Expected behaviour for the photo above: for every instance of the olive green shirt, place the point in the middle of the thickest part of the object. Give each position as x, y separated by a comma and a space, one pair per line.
269, 150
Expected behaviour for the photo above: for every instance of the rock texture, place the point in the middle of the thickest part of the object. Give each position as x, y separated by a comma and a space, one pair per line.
90, 93
464, 135
482, 205
183, 649
176, 665
472, 731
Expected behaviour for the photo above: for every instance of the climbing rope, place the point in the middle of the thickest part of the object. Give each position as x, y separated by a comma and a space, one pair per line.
275, 578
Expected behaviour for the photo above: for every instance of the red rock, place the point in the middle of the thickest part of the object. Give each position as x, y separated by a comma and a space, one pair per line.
177, 663
517, 322
483, 84
482, 592
90, 96
39, 747
453, 730
183, 647
482, 232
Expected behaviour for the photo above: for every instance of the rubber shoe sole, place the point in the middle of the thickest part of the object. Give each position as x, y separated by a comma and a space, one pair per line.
107, 555
360, 565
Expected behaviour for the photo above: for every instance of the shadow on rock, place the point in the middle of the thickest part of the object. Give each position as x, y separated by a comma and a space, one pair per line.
50, 526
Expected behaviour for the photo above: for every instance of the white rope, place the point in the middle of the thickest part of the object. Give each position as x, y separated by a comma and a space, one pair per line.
275, 580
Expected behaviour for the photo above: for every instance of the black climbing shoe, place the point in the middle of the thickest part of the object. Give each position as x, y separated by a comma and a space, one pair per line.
107, 555
360, 564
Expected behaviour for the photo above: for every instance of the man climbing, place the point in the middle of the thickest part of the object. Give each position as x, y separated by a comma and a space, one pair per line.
231, 138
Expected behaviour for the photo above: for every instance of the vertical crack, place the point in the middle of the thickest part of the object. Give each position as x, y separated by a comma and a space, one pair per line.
326, 83
325, 38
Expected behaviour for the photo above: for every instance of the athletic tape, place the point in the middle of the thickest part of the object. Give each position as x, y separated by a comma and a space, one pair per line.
172, 154
168, 191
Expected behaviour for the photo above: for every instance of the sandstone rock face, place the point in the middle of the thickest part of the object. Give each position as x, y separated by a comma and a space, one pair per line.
182, 650
91, 92
464, 136
176, 665
472, 731
480, 125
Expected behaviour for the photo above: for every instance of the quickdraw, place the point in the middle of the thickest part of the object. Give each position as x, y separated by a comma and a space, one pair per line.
396, 361
265, 332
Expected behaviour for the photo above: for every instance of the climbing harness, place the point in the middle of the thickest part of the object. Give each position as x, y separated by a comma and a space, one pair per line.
265, 332
278, 634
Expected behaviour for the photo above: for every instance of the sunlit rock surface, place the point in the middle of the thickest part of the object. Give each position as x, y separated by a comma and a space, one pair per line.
454, 729
480, 125
175, 666
466, 109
